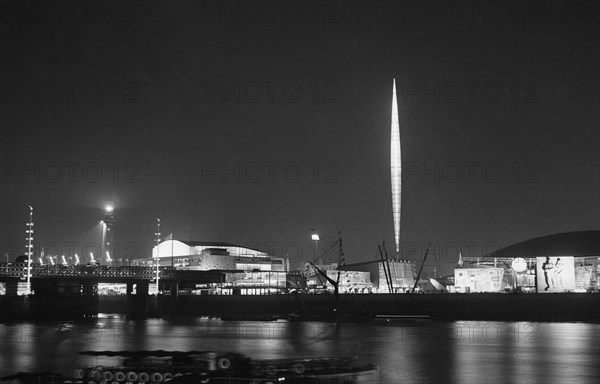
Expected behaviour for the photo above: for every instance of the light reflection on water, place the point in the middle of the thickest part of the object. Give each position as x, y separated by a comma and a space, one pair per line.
421, 352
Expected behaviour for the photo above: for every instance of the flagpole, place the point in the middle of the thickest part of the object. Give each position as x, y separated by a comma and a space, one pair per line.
172, 237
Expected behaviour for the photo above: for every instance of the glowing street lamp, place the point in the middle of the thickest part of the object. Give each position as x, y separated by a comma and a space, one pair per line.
107, 222
315, 237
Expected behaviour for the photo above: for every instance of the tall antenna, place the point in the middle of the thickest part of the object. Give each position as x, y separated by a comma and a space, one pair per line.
29, 239
157, 251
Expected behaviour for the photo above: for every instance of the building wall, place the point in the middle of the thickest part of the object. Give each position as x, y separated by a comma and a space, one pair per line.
469, 280
402, 276
250, 264
205, 262
212, 257
171, 248
587, 273
351, 281
581, 274
256, 279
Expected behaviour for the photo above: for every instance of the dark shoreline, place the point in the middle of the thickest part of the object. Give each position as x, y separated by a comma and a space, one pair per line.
485, 306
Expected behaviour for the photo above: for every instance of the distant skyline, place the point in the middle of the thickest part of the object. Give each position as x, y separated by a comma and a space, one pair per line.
251, 128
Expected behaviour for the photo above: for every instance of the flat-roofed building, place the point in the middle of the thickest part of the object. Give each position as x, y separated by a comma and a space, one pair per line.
206, 256
562, 262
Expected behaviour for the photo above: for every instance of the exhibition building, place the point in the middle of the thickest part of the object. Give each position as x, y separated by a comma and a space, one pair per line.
564, 262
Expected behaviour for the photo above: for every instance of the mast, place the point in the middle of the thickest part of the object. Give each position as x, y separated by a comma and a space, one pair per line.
331, 281
387, 262
421, 269
385, 272
341, 262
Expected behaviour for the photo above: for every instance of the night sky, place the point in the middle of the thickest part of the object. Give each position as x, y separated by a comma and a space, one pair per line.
250, 123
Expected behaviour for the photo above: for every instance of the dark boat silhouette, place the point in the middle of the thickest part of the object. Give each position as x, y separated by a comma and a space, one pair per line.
202, 367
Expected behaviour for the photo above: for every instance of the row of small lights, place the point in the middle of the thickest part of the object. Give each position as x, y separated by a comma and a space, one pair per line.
29, 231
109, 208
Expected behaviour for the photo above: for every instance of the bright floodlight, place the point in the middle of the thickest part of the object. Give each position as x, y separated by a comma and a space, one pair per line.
315, 237
109, 207
519, 265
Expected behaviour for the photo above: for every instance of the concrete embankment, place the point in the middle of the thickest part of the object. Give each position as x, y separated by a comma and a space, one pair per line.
526, 307
510, 307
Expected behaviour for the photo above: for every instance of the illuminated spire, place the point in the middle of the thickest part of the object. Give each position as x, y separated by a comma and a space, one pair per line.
396, 168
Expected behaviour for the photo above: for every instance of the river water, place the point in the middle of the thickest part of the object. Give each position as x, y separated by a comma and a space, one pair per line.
462, 352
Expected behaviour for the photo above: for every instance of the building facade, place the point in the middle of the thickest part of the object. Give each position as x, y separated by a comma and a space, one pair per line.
563, 262
206, 256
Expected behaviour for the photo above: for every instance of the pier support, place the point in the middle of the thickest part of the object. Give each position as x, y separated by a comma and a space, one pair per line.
142, 288
11, 287
137, 304
89, 294
174, 289
173, 297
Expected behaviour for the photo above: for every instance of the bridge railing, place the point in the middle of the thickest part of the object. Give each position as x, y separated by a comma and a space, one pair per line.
19, 270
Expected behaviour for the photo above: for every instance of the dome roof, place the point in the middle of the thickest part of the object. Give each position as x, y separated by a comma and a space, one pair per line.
21, 259
581, 243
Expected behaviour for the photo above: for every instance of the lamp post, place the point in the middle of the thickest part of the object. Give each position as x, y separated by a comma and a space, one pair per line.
107, 223
157, 250
315, 238
29, 239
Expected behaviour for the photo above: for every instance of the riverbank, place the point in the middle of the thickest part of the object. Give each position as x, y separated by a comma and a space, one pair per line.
508, 307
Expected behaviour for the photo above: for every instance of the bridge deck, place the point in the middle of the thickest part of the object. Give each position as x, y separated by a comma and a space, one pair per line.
96, 272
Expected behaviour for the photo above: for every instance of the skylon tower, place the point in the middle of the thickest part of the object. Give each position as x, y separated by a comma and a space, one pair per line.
396, 168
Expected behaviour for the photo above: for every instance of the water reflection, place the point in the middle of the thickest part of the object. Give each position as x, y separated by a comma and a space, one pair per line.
424, 352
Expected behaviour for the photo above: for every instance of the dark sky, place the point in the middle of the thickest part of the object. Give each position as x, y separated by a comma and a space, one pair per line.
499, 103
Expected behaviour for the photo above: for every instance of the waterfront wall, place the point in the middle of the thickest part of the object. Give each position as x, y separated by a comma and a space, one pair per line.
510, 307
526, 307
